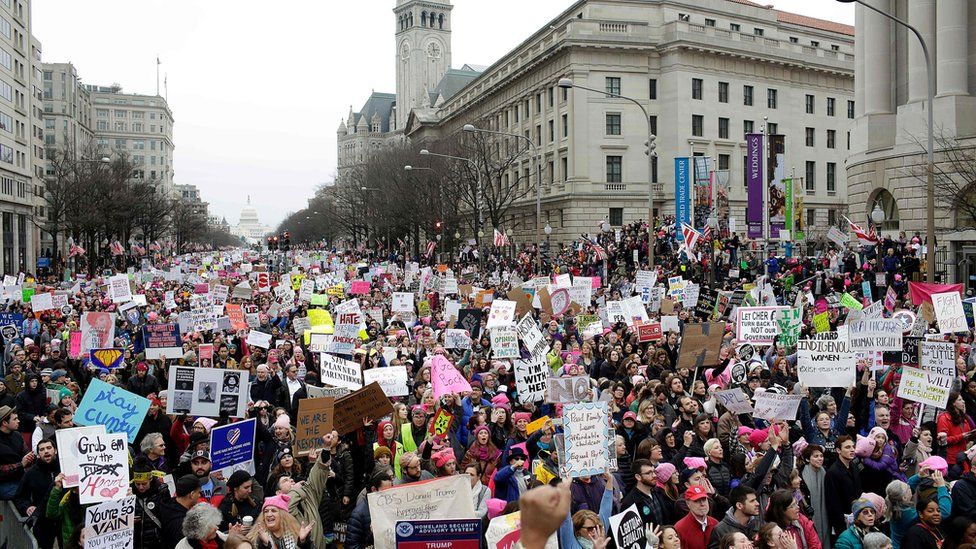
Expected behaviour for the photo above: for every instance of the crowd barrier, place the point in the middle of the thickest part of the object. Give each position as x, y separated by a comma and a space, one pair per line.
13, 534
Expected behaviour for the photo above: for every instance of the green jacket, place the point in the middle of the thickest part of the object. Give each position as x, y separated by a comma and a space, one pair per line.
304, 504
57, 510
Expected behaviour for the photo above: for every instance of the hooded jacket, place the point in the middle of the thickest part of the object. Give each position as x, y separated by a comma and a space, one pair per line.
31, 404
730, 524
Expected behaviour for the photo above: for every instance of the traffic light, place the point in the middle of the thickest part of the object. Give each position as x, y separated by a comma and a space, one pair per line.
650, 146
438, 226
286, 241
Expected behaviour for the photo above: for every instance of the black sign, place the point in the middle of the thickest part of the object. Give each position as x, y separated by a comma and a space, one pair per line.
630, 532
470, 320
706, 304
908, 356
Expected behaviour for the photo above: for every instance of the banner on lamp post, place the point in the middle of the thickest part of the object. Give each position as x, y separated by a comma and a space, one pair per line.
754, 183
682, 191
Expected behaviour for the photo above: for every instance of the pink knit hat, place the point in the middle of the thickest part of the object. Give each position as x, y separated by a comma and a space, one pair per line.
744, 430
283, 421
280, 501
695, 463
443, 457
206, 422
864, 446
936, 463
757, 437
495, 507
519, 416
877, 501
664, 472
878, 431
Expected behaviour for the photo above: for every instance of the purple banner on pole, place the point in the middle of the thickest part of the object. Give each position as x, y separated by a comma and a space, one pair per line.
754, 183
776, 168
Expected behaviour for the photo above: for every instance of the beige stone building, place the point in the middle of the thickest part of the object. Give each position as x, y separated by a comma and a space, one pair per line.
887, 162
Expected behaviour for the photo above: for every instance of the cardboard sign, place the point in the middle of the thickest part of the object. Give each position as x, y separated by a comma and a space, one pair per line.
315, 420
207, 391
69, 456
734, 400
118, 410
586, 433
446, 378
757, 325
825, 363
441, 424
233, 444
567, 390
627, 528
392, 379
772, 406
111, 524
700, 344
339, 372
162, 340
949, 312
530, 379
925, 388
504, 342
370, 401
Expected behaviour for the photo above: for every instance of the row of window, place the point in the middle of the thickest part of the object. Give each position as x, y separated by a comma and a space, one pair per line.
756, 31
121, 113
139, 127
697, 92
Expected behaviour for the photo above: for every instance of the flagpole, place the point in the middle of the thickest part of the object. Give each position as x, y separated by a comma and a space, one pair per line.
157, 75
765, 190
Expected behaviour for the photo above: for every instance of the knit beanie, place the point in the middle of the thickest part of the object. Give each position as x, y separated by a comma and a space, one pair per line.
283, 421
206, 422
664, 472
280, 501
864, 446
861, 504
757, 437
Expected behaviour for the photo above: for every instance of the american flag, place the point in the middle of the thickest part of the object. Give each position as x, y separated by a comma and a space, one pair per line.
691, 238
598, 250
707, 234
155, 247
866, 238
500, 238
74, 249
430, 248
116, 248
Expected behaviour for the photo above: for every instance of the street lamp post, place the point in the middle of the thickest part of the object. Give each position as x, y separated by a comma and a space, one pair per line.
471, 128
605, 227
477, 173
930, 161
651, 154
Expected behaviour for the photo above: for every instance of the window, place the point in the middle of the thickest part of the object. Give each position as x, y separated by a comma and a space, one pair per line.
748, 126
653, 120
613, 123
794, 40
565, 125
119, 126
6, 154
138, 115
850, 109
653, 168
832, 217
831, 178
516, 110
120, 113
745, 171
6, 123
834, 47
552, 131
810, 137
102, 126
831, 139
137, 127
812, 217
101, 113
616, 217
814, 44
758, 32
6, 91
697, 125
811, 176
724, 161
5, 27
723, 92
709, 22
139, 144
538, 134
49, 124
735, 27
848, 140
613, 85
615, 169
830, 106
552, 97
652, 87
723, 128
771, 98
564, 168
696, 88
538, 102
773, 128
809, 103
747, 96
684, 17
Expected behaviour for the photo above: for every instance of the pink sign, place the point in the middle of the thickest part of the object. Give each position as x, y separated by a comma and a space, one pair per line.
359, 287
201, 288
446, 378
74, 345
595, 281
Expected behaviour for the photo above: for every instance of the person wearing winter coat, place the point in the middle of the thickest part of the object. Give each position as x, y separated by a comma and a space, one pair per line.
482, 452
266, 386
31, 403
842, 484
304, 498
633, 432
510, 482
742, 517
339, 488
964, 494
35, 489
813, 475
900, 512
785, 511
143, 383
956, 426
480, 494
865, 517
359, 531
718, 470
824, 431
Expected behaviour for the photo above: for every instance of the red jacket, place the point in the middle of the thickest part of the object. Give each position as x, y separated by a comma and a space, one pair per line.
806, 531
691, 534
956, 435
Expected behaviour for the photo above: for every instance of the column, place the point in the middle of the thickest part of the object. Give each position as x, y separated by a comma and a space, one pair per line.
952, 48
859, 74
877, 62
921, 15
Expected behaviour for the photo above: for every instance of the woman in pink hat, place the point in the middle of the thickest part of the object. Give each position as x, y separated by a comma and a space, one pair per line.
275, 527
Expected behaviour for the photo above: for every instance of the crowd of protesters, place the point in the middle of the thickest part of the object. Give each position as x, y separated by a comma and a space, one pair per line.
858, 467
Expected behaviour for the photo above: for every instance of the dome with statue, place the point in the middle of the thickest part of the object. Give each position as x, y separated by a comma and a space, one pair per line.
250, 226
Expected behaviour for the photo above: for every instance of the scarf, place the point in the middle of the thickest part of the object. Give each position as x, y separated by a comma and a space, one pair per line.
488, 452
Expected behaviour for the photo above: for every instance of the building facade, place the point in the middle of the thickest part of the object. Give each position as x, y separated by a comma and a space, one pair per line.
189, 195
707, 72
249, 225
888, 159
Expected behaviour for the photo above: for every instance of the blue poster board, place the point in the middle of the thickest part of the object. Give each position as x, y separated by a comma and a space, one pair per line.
232, 444
424, 534
117, 409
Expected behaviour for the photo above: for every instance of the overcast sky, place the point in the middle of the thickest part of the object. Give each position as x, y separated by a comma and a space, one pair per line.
258, 88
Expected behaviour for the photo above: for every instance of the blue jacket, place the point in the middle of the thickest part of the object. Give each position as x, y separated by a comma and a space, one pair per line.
909, 516
837, 427
567, 538
506, 485
359, 532
468, 408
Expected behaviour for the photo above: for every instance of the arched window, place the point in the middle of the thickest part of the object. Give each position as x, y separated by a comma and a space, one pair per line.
884, 202
400, 21
440, 20
410, 20
433, 18
423, 19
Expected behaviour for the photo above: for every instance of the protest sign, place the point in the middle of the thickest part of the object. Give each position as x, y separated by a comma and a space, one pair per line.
443, 498
318, 343
103, 467
627, 528
456, 339
565, 390
875, 334
41, 303
825, 363
924, 387
821, 322
530, 334
789, 323
106, 359
346, 335
97, 331
530, 379
504, 342
424, 534
110, 524
339, 372
315, 419
949, 312
118, 410
162, 340
259, 339
735, 401
69, 456
502, 313
370, 401
446, 378
587, 438
851, 302
649, 331
119, 289
359, 287
938, 357
700, 344
441, 424
772, 406
757, 325
392, 379
505, 532
207, 391
470, 320
233, 444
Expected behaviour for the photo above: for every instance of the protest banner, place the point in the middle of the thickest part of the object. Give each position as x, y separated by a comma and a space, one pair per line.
370, 401
162, 340
69, 456
700, 344
236, 315
649, 331
757, 325
924, 387
118, 410
734, 400
908, 356
502, 313
438, 499
504, 342
789, 323
103, 467
874, 334
430, 534
470, 320
315, 420
949, 312
587, 438
456, 339
106, 359
627, 528
825, 363
259, 339
318, 343
233, 444
392, 379
207, 391
530, 334
446, 378
345, 339
441, 424
359, 287
97, 331
851, 302
530, 379
772, 406
938, 357
566, 390
110, 524
339, 372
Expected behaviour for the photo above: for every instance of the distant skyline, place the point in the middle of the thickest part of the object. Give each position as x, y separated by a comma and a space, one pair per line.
257, 90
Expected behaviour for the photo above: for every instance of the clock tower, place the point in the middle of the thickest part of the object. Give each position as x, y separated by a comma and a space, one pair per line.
423, 52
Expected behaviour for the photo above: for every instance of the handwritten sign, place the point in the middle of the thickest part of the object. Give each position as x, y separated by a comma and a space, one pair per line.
757, 325
502, 313
233, 444
392, 379
456, 339
851, 302
586, 437
772, 406
875, 334
925, 388
530, 379
825, 363
504, 342
118, 288
370, 401
938, 357
68, 456
949, 312
446, 378
111, 524
443, 498
103, 467
164, 340
118, 410
339, 372
315, 419
735, 401
567, 390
